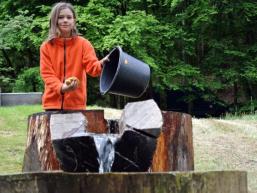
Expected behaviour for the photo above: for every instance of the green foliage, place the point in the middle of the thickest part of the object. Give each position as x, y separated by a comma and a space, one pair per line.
16, 47
134, 32
202, 46
5, 84
250, 72
250, 68
29, 81
182, 74
248, 108
14, 32
5, 80
40, 26
93, 22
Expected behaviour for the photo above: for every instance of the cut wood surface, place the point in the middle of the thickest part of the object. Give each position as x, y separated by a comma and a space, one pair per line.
143, 116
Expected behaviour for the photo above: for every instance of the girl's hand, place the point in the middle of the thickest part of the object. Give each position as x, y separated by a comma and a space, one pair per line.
104, 60
70, 84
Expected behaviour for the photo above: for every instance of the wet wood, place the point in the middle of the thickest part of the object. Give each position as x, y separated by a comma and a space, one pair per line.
174, 150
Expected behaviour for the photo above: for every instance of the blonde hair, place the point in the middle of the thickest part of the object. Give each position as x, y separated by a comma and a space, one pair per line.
53, 27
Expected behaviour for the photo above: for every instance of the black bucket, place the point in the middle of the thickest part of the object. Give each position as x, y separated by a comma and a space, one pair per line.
124, 75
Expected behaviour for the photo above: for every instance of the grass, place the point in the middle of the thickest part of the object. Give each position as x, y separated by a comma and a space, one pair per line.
227, 144
248, 117
219, 144
13, 132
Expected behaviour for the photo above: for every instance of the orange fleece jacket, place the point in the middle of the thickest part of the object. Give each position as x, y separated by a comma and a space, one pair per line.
61, 59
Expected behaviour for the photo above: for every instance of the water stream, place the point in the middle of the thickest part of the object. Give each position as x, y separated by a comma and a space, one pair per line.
105, 148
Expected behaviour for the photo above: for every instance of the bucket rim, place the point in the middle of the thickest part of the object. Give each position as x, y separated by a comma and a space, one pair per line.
146, 87
116, 73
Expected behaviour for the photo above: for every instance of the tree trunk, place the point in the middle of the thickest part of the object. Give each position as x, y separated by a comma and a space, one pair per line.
39, 153
174, 149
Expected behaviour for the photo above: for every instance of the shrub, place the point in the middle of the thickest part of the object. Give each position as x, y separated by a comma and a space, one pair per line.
29, 81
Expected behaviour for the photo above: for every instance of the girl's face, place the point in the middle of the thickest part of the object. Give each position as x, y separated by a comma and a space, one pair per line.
66, 22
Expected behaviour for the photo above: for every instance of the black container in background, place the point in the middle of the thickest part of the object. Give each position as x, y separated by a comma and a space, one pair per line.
124, 75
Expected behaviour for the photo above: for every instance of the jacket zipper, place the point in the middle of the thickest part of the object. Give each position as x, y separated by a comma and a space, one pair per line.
64, 69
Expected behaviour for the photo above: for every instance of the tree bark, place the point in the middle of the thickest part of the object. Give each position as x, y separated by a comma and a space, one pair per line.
174, 150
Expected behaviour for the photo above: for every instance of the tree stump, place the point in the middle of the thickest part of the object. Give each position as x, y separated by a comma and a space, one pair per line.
174, 151
39, 153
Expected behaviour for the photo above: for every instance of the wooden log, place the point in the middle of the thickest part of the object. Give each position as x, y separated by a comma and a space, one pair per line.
177, 182
174, 150
39, 153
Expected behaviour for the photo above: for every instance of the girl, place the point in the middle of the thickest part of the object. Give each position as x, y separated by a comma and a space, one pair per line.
66, 54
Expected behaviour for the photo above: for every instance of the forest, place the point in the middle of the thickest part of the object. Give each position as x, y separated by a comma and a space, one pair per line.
202, 53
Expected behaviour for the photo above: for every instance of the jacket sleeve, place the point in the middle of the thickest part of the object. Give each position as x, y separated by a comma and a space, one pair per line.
47, 73
90, 61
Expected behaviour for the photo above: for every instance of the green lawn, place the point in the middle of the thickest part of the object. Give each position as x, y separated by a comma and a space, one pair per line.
13, 132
